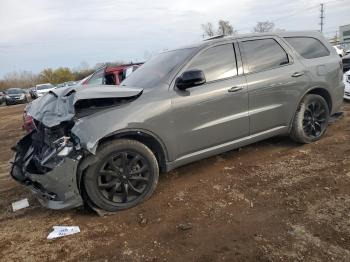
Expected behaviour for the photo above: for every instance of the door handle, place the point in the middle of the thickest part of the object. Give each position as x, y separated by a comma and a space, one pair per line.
297, 74
235, 89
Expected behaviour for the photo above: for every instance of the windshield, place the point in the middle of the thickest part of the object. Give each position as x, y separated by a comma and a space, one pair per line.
13, 91
43, 87
158, 69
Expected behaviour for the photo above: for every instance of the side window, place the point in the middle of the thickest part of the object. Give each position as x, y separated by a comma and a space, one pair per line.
308, 47
217, 62
98, 78
262, 54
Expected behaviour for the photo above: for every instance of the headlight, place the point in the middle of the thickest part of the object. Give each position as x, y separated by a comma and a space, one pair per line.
7, 97
23, 96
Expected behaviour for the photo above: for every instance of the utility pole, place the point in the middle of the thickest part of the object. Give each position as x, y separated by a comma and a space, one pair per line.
322, 17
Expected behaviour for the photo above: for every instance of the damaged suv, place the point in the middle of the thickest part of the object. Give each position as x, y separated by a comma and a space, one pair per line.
106, 146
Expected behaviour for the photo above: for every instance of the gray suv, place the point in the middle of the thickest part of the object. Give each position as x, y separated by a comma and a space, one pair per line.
105, 146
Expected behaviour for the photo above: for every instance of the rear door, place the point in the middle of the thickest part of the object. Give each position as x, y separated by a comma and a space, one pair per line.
275, 81
323, 66
216, 112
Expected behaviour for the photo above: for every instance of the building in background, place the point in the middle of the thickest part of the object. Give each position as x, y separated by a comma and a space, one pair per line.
344, 36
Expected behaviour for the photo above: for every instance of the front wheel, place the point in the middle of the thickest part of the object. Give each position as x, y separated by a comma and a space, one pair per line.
311, 119
125, 175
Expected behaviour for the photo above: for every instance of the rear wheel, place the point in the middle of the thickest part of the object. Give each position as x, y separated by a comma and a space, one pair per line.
125, 175
311, 119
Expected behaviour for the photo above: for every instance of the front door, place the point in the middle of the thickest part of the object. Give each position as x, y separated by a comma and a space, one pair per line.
216, 112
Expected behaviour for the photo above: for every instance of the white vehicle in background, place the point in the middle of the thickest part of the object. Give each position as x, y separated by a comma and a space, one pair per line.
340, 51
67, 84
42, 89
346, 80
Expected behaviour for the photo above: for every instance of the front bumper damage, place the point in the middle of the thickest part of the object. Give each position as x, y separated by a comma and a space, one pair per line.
55, 189
52, 158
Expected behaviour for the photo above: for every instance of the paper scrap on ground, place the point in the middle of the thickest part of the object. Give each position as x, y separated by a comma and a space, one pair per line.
61, 231
20, 204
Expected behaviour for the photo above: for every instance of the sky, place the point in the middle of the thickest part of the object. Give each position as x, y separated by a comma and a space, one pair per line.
37, 34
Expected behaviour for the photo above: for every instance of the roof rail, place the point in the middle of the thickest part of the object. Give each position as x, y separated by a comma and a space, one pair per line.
214, 37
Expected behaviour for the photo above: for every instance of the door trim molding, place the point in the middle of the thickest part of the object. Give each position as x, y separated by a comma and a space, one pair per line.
204, 153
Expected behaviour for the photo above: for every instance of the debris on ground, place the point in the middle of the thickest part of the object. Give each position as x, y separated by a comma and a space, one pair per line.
335, 117
142, 220
23, 203
184, 227
61, 231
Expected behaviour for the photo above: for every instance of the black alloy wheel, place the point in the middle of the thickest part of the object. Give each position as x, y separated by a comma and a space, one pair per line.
315, 117
311, 119
123, 177
125, 174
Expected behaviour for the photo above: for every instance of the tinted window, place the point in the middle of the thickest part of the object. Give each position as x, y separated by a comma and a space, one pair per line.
346, 33
308, 47
262, 54
217, 62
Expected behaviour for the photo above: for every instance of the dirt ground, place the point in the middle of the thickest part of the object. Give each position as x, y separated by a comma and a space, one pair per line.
271, 201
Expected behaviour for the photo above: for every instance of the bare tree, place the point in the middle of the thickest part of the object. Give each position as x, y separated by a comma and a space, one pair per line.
208, 29
265, 26
23, 79
225, 28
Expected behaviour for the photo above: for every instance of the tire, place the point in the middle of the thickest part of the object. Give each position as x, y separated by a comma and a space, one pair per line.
125, 175
311, 119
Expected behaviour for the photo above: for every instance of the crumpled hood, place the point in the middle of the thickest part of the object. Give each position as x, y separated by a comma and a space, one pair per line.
58, 105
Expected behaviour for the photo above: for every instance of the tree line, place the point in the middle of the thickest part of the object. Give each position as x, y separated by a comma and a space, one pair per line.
27, 79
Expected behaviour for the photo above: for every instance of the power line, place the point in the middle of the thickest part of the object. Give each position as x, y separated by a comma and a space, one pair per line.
295, 13
300, 11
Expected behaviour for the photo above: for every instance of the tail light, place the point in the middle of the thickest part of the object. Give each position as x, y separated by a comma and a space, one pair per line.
28, 123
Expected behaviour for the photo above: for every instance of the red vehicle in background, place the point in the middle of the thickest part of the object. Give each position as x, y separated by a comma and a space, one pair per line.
106, 75
110, 75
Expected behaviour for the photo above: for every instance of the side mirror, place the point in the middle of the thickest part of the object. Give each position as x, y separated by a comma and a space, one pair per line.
190, 79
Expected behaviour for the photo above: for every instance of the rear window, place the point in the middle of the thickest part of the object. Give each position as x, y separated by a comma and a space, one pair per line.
308, 47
